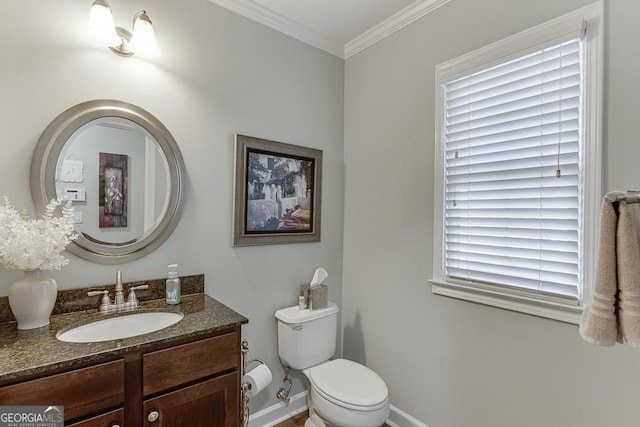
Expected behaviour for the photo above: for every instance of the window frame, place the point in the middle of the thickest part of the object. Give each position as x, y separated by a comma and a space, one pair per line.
523, 43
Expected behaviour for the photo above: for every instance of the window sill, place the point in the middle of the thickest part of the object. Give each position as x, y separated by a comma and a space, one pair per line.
542, 308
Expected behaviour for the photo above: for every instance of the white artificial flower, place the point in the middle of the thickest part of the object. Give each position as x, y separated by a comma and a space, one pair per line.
35, 244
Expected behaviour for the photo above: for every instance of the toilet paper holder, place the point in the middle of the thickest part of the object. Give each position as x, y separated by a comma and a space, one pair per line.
245, 386
244, 349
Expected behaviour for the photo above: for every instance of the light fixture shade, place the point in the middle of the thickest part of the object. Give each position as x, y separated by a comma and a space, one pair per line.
101, 27
143, 40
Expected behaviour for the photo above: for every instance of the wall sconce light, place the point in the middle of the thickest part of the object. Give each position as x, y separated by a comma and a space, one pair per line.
102, 29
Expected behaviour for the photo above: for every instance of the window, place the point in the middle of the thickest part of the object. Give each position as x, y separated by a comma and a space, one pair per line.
518, 169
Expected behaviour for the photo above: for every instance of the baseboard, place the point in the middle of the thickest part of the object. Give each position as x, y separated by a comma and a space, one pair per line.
279, 412
398, 418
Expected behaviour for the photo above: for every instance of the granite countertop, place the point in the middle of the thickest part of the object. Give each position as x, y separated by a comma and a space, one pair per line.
37, 351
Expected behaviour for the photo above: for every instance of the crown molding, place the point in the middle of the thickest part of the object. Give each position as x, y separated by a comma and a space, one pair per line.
261, 14
256, 12
389, 26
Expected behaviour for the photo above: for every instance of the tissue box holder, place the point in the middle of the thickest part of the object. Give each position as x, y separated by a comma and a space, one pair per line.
317, 297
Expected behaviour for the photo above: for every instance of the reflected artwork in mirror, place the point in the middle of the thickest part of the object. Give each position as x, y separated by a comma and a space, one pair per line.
122, 169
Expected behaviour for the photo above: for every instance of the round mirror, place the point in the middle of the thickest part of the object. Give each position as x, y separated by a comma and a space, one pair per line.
122, 169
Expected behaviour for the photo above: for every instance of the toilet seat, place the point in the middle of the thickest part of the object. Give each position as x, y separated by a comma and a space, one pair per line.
349, 384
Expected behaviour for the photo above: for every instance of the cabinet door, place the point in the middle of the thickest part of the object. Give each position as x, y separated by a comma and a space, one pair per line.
111, 419
211, 403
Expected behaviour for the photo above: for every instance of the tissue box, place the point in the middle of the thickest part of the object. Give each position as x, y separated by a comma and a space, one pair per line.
319, 297
315, 298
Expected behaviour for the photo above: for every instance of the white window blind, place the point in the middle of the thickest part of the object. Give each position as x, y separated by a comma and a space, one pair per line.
513, 175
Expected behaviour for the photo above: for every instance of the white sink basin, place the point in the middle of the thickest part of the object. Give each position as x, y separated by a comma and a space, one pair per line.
113, 328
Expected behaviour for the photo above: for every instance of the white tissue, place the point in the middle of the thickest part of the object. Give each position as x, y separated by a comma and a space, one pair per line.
318, 277
258, 379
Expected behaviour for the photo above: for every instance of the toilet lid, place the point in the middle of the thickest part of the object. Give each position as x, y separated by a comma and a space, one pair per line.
349, 384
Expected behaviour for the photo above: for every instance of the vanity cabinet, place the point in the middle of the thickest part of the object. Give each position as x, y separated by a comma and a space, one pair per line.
194, 383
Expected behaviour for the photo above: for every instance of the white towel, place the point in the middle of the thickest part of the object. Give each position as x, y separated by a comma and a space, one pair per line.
614, 313
598, 324
628, 253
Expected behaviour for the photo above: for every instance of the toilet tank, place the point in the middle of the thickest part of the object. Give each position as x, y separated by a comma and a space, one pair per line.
306, 337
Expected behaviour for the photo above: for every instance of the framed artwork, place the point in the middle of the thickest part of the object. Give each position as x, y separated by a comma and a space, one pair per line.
112, 202
278, 193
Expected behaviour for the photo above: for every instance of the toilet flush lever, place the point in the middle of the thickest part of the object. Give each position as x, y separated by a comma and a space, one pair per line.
297, 327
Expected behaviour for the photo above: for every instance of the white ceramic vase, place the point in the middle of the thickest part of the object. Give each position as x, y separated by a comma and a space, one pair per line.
32, 299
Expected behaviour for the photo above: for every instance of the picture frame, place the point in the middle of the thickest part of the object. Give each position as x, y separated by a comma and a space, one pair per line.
277, 193
113, 201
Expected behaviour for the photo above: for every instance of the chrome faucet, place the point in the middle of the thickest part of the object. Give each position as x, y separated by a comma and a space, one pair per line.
119, 303
119, 298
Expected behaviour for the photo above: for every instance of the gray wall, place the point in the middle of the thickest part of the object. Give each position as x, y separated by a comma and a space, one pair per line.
447, 362
219, 74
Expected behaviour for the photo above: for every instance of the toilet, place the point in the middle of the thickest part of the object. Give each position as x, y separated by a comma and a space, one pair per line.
342, 393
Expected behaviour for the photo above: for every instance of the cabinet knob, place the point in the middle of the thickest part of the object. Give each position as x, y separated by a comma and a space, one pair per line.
153, 416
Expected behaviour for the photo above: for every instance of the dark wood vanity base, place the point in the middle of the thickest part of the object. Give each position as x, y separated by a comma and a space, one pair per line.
185, 375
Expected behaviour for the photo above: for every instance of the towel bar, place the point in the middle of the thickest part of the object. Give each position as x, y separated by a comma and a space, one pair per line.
618, 196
